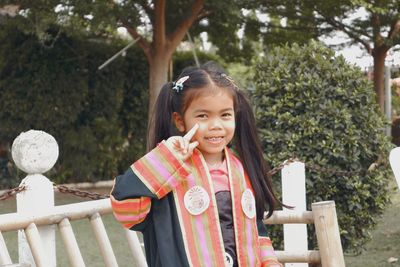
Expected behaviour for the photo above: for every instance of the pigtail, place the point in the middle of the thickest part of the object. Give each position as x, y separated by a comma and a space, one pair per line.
249, 149
160, 126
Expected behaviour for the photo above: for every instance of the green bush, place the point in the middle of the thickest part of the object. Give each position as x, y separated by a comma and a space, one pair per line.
98, 117
313, 105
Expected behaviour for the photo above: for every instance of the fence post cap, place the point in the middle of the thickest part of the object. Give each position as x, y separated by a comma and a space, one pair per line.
34, 151
323, 203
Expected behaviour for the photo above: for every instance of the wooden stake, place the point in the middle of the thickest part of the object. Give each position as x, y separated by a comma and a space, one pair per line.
328, 236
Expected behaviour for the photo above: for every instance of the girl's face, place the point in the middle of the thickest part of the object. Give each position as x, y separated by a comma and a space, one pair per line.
216, 118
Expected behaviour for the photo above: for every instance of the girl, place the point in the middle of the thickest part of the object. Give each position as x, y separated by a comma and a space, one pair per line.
197, 202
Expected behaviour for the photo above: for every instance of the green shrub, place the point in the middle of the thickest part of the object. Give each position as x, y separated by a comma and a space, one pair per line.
98, 117
313, 105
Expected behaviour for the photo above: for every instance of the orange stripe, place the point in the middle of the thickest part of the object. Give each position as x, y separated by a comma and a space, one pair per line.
186, 228
207, 219
265, 241
160, 170
152, 177
211, 215
133, 216
236, 191
130, 205
142, 171
254, 234
242, 223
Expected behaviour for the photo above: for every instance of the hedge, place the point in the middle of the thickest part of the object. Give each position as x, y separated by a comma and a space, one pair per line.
97, 116
314, 106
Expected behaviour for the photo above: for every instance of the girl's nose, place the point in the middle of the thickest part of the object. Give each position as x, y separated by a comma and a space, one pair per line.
215, 124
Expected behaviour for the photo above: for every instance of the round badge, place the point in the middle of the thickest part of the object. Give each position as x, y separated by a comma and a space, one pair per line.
228, 259
248, 204
196, 200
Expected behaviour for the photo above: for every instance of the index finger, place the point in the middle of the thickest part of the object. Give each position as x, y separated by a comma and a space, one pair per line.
191, 132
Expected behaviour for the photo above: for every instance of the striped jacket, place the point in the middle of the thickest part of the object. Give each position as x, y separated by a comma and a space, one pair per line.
150, 197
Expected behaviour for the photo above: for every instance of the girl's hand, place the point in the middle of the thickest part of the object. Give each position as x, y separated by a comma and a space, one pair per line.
181, 145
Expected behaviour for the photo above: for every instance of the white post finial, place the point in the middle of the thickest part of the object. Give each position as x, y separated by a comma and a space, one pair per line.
36, 152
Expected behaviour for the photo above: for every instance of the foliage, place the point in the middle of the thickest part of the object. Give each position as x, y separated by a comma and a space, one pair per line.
316, 107
102, 18
97, 117
183, 59
372, 25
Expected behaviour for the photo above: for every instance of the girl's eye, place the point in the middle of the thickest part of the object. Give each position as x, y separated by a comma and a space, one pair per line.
201, 116
227, 115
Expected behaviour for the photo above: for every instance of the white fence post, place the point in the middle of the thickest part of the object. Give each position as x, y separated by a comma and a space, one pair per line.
294, 194
36, 152
394, 159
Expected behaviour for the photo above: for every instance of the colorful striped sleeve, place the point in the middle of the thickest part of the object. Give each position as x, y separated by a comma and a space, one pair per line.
268, 256
130, 212
151, 177
130, 200
160, 170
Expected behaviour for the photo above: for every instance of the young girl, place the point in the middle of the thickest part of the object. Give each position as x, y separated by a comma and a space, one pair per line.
196, 201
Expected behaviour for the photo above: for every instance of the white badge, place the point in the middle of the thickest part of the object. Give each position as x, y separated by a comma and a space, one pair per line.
228, 259
248, 204
196, 200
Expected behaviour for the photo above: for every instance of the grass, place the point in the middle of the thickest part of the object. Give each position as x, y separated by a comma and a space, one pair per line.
385, 241
384, 244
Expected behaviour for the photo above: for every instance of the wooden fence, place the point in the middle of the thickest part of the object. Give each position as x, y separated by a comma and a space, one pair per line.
323, 215
35, 152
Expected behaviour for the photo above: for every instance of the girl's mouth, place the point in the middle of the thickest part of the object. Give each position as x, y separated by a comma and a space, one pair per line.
214, 139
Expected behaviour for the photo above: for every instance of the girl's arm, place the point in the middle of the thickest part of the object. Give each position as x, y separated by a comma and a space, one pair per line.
130, 200
268, 256
151, 177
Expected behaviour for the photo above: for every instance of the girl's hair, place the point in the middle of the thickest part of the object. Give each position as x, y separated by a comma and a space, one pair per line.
205, 80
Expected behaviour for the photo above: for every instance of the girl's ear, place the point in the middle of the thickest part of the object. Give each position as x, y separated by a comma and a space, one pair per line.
178, 120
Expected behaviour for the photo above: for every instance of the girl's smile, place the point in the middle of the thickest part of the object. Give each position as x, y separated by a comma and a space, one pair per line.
215, 115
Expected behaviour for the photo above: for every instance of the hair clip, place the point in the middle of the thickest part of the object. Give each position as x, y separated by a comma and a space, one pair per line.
229, 78
178, 85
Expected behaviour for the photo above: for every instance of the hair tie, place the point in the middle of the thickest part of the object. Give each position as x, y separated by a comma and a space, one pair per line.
178, 85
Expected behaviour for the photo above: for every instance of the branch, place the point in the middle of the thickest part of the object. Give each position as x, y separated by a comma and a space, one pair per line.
203, 14
291, 28
344, 28
134, 34
394, 29
176, 37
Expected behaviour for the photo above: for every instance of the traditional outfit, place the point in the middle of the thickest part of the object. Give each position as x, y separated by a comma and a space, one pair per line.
183, 221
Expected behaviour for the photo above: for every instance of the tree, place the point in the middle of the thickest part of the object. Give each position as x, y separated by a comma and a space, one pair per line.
377, 32
159, 26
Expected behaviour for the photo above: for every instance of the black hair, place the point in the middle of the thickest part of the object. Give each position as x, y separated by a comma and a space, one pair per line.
246, 141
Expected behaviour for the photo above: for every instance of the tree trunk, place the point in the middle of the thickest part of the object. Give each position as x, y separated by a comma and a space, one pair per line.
379, 55
158, 76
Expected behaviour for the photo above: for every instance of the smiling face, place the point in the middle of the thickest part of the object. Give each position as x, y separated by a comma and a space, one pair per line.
215, 115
